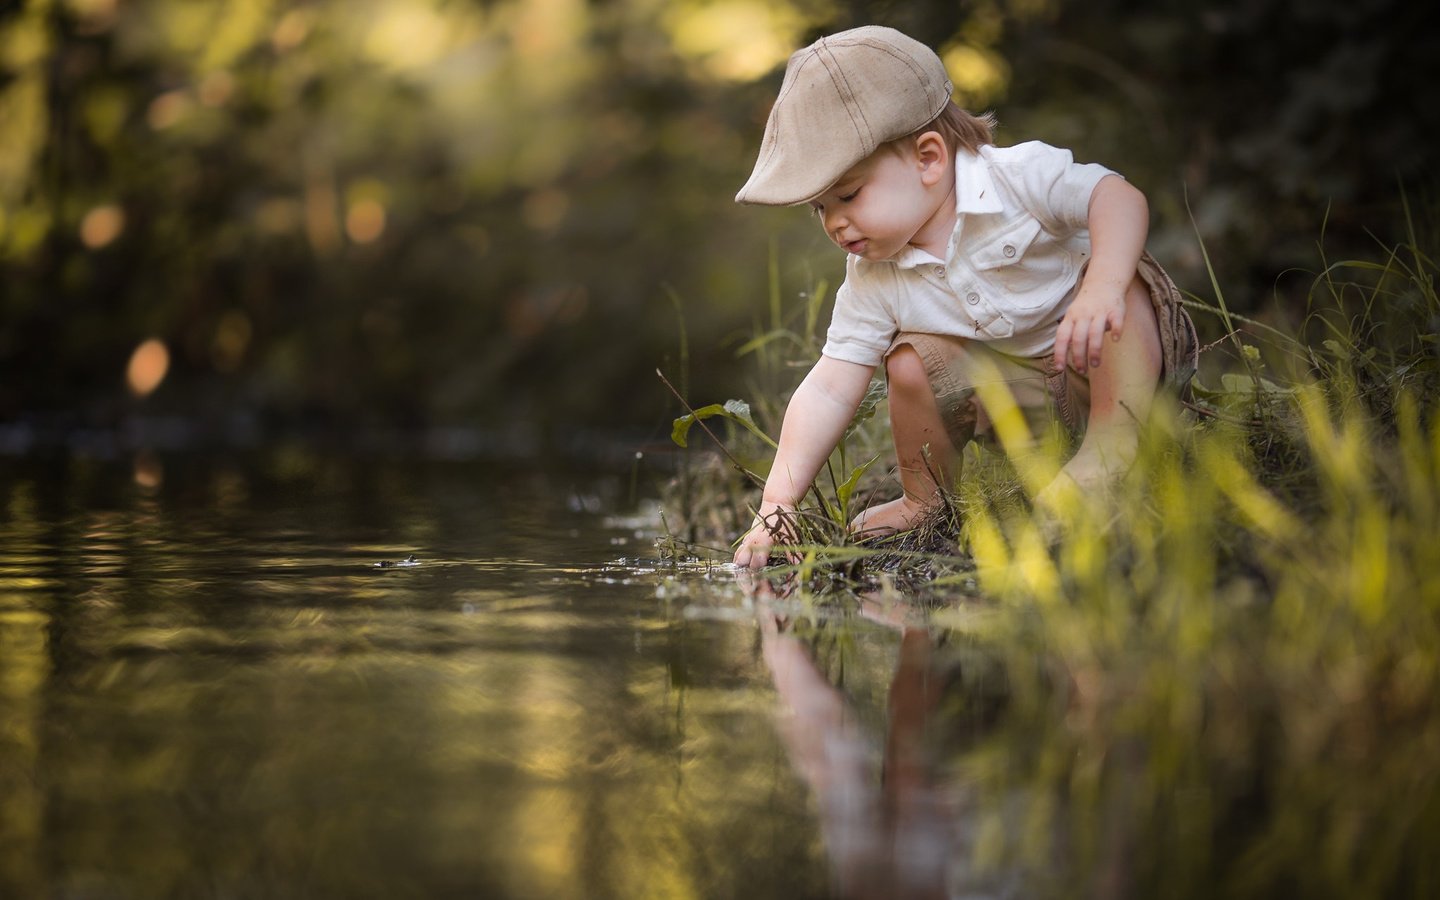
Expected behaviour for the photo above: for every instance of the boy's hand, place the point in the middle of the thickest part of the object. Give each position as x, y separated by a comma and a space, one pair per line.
1081, 334
1118, 220
772, 524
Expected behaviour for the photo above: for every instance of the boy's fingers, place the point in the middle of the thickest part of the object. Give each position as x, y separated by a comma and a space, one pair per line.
1117, 323
1097, 338
753, 552
1078, 349
1062, 343
760, 553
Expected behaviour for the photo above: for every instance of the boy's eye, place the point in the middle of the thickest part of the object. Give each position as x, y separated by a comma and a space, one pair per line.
850, 196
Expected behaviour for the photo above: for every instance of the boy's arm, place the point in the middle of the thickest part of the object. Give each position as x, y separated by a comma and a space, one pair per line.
818, 413
1119, 219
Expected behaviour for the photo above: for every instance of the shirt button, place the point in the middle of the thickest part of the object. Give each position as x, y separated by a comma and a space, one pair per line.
972, 299
940, 270
1009, 251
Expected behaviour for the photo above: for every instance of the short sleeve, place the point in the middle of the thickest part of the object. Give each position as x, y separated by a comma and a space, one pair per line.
863, 324
1050, 184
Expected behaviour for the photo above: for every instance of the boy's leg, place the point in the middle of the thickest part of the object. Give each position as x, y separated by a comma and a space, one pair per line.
1122, 389
923, 447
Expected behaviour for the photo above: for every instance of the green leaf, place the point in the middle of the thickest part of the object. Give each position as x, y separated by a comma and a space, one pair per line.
735, 410
1237, 383
739, 410
845, 490
1239, 392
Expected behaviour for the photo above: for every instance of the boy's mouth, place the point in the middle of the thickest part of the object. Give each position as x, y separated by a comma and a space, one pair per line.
856, 247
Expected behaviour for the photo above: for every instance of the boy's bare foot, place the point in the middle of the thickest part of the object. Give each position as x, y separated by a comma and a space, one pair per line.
1060, 496
900, 514
1081, 484
1101, 465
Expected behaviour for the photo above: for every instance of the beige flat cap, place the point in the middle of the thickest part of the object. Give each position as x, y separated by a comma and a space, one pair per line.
843, 96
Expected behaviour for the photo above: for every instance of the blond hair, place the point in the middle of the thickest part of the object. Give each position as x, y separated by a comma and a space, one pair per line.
960, 128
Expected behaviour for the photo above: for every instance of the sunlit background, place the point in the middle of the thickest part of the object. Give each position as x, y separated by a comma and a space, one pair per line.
223, 221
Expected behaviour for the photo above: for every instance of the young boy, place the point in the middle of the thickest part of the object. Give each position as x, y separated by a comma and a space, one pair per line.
966, 262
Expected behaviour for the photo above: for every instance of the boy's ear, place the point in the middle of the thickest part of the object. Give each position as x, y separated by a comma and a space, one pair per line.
933, 155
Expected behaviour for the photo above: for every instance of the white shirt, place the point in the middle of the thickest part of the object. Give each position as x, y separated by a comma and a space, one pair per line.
1020, 239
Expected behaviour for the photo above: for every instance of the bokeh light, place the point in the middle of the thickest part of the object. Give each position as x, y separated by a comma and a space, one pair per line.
365, 221
101, 226
979, 75
737, 40
148, 366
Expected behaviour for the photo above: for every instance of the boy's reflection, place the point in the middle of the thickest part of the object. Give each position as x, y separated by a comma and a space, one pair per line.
895, 835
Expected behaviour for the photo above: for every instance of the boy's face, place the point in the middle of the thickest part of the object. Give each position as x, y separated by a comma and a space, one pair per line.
886, 201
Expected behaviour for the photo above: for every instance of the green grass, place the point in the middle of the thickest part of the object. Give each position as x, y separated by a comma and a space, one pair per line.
1225, 681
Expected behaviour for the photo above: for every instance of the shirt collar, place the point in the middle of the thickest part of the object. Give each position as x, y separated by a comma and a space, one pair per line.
910, 257
974, 188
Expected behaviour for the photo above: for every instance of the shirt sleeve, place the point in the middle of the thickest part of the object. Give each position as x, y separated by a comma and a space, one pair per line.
1051, 185
862, 326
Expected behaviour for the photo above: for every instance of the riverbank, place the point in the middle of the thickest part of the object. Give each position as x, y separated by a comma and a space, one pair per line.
1241, 649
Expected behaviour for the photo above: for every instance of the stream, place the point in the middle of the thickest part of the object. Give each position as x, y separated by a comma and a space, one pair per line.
215, 683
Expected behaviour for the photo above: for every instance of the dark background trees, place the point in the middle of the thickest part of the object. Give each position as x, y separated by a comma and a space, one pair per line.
404, 215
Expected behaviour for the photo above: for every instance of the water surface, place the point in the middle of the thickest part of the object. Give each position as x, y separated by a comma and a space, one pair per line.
208, 688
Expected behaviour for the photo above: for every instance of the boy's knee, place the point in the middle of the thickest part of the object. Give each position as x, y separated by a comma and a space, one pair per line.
905, 370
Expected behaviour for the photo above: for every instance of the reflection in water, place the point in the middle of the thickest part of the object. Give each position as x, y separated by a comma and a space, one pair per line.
201, 699
892, 826
207, 688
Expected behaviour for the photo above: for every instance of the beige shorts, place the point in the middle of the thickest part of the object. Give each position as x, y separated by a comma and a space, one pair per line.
1048, 395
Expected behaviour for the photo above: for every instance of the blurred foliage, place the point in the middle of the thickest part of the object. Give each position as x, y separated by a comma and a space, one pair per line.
410, 213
